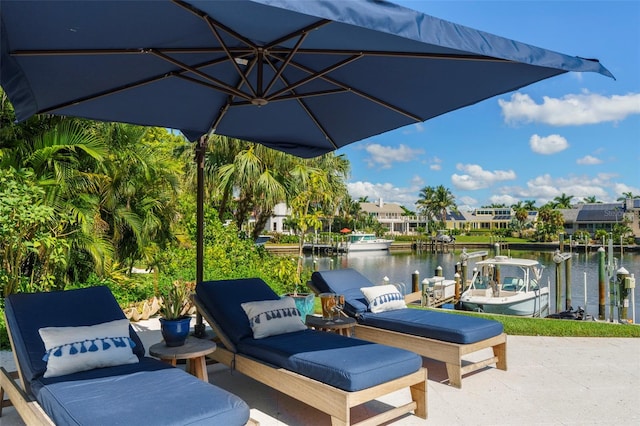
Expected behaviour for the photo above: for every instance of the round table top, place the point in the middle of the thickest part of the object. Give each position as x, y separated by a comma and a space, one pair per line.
318, 322
192, 348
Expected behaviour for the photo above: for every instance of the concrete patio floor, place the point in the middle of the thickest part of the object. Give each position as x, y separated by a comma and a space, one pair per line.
550, 381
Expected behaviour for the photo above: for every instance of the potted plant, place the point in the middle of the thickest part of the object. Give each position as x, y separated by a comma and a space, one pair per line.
287, 273
175, 321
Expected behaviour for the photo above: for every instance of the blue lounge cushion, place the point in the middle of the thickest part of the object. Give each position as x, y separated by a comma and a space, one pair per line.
443, 326
343, 362
152, 392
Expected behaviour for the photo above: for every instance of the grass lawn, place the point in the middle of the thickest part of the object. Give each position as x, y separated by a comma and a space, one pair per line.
518, 326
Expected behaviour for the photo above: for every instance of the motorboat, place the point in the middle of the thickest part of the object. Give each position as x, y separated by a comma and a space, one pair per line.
358, 241
262, 240
508, 286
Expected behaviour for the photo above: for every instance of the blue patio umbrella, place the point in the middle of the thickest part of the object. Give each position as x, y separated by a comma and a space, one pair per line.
304, 77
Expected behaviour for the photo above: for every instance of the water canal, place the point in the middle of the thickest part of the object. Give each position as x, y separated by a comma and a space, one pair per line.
399, 267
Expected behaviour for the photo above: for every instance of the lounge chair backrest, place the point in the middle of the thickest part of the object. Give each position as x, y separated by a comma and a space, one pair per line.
28, 312
222, 300
344, 281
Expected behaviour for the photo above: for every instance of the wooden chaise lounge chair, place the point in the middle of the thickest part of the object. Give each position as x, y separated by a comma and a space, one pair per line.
437, 335
84, 329
263, 337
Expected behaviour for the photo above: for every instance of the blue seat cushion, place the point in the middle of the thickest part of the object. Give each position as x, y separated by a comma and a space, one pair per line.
343, 362
444, 326
150, 392
431, 324
28, 312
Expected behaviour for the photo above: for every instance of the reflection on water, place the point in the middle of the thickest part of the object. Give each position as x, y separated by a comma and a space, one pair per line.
399, 267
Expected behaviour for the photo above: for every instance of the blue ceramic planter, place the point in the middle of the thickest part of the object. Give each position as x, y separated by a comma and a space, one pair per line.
175, 332
304, 303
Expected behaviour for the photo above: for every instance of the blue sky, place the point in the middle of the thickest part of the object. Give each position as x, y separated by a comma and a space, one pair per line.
578, 133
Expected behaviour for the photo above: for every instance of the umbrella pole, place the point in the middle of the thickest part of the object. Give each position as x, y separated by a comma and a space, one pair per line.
201, 147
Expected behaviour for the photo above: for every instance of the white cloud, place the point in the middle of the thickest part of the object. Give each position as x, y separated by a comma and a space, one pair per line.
466, 203
548, 144
588, 160
621, 188
385, 156
435, 164
545, 188
476, 177
570, 110
389, 193
416, 180
505, 199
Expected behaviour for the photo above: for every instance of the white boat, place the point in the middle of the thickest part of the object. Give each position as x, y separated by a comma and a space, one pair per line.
366, 242
508, 286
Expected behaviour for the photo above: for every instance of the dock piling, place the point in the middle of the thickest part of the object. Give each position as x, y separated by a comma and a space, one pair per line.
601, 285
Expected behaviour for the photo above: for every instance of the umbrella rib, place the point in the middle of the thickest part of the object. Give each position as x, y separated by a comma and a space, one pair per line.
212, 26
296, 96
222, 89
313, 76
136, 51
203, 15
225, 108
103, 93
284, 65
308, 111
360, 93
186, 67
391, 54
297, 33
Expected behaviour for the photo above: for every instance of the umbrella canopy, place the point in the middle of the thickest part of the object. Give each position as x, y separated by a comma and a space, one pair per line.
345, 230
304, 77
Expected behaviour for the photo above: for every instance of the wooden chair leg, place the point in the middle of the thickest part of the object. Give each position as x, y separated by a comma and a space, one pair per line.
500, 351
454, 371
419, 396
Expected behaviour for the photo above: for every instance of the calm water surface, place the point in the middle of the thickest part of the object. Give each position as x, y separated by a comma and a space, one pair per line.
399, 266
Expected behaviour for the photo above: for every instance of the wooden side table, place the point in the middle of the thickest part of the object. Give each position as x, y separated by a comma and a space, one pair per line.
194, 351
345, 327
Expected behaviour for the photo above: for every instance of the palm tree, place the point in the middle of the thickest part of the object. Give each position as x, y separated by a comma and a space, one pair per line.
562, 201
425, 203
138, 198
626, 196
590, 200
530, 205
256, 173
521, 215
435, 201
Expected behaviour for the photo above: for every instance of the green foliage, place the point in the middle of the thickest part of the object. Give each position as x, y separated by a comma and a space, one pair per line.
175, 301
31, 253
550, 223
